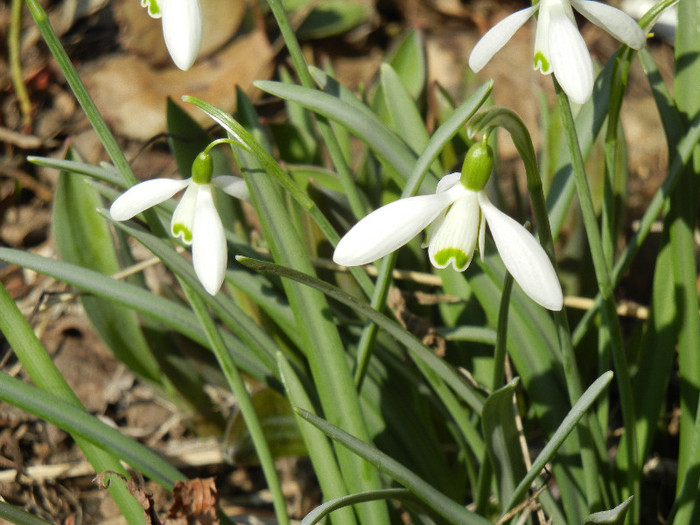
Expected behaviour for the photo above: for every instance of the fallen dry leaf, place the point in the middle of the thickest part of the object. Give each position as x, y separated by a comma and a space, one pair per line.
195, 503
131, 95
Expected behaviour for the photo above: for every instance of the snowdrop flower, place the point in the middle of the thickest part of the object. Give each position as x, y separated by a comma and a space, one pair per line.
456, 216
195, 219
559, 47
182, 28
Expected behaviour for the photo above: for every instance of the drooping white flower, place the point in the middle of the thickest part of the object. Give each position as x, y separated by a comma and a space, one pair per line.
182, 28
559, 47
457, 215
195, 219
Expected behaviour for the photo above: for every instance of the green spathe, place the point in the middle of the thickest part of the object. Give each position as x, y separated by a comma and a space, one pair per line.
477, 166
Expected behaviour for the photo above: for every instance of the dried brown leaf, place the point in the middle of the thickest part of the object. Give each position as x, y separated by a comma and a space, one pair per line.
144, 497
131, 95
195, 503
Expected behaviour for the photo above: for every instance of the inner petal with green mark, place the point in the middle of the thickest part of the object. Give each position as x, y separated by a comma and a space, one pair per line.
180, 230
541, 62
460, 260
153, 8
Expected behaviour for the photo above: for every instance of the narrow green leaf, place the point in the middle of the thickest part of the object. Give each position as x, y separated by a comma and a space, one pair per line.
405, 118
243, 400
417, 349
614, 516
476, 334
589, 122
163, 310
279, 426
105, 172
320, 451
41, 369
332, 17
409, 63
81, 94
83, 238
322, 344
448, 129
502, 439
185, 137
567, 425
449, 509
18, 516
78, 422
363, 124
328, 507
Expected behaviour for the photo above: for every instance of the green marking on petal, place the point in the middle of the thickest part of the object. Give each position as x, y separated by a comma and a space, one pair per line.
180, 230
460, 259
153, 8
541, 62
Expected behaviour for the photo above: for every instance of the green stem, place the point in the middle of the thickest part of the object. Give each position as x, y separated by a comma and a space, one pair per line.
245, 405
589, 431
52, 41
331, 141
499, 351
683, 152
13, 47
610, 318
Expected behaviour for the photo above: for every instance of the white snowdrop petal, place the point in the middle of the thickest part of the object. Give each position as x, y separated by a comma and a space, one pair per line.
496, 37
482, 237
524, 258
571, 61
182, 30
542, 59
617, 23
182, 221
234, 186
143, 196
447, 182
209, 254
454, 242
388, 228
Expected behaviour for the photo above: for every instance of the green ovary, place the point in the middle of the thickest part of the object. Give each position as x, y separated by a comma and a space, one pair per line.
542, 61
461, 260
182, 230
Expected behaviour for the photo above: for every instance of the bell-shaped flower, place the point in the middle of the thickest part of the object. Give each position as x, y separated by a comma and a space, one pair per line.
456, 217
559, 47
195, 219
182, 28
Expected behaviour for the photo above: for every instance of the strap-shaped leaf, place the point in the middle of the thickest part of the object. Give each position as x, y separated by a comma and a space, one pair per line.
83, 238
78, 422
502, 439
